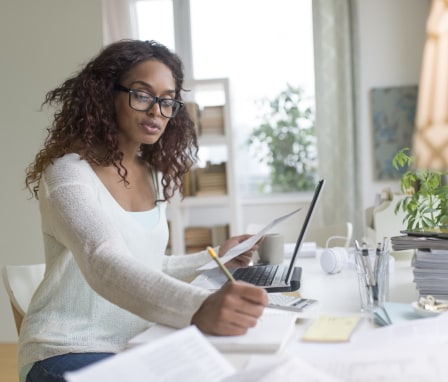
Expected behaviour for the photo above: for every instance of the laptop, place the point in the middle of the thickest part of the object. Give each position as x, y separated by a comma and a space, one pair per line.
273, 278
280, 278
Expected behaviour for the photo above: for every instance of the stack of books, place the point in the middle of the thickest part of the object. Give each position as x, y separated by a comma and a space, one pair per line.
199, 238
193, 112
210, 180
430, 267
212, 120
207, 121
429, 263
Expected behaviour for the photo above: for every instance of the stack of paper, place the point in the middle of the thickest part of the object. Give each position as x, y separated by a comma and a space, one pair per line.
430, 269
430, 261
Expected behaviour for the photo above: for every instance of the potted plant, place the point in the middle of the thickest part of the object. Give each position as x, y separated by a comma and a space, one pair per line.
425, 204
285, 141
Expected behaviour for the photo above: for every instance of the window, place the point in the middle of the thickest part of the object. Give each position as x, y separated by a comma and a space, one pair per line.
155, 21
262, 46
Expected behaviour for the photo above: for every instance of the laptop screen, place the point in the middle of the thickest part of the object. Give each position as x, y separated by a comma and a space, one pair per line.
304, 230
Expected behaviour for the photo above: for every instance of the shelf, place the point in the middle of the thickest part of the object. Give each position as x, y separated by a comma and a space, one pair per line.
208, 105
212, 140
203, 201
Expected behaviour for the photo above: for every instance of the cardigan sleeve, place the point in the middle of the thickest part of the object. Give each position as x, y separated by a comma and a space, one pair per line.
184, 267
79, 223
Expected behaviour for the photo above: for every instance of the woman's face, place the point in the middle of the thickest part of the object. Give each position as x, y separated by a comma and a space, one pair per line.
143, 127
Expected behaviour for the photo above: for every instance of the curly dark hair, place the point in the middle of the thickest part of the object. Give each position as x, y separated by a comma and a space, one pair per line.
85, 118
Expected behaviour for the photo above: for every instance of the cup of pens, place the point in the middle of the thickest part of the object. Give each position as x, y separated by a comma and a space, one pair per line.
372, 267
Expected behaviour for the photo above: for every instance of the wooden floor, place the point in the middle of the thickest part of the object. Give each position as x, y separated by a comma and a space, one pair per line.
8, 362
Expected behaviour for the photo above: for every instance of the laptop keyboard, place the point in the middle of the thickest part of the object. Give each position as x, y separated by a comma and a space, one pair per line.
261, 275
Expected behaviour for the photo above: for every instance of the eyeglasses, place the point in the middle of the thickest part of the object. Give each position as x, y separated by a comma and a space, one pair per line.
141, 100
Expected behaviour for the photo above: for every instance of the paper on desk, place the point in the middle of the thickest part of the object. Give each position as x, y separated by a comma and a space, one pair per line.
272, 331
409, 351
395, 362
331, 329
431, 330
247, 244
287, 370
183, 356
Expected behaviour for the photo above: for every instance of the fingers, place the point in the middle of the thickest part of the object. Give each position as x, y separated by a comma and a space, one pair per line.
245, 297
232, 310
241, 238
242, 260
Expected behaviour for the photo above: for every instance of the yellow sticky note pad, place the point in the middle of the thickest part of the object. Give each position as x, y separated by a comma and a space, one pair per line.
331, 329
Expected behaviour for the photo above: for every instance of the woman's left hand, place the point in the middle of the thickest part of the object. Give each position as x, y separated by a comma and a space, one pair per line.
242, 260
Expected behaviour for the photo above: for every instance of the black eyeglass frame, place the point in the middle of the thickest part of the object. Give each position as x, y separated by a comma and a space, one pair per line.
155, 100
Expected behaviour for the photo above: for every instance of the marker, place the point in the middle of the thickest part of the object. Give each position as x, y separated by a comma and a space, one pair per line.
215, 257
379, 252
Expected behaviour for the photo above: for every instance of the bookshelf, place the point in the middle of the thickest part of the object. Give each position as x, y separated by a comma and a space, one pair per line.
209, 213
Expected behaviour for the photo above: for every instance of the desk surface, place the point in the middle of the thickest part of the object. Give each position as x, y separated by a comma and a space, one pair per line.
337, 295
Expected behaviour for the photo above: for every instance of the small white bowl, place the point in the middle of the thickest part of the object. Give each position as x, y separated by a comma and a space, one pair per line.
424, 312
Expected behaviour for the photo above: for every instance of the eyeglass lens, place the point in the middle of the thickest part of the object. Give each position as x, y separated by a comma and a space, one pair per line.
142, 101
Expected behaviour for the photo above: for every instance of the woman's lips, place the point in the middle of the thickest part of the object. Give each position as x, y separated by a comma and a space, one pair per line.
150, 127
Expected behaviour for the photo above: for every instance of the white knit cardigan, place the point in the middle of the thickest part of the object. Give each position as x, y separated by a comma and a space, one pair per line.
106, 275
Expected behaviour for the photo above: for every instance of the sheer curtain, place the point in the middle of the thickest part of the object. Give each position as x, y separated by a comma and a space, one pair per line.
119, 20
334, 35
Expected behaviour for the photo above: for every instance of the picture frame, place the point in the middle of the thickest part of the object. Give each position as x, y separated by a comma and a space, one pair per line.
393, 112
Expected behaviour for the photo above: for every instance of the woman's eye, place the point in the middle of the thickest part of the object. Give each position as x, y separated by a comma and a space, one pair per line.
142, 97
167, 102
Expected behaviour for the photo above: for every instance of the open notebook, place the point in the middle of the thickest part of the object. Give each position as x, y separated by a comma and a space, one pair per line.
272, 331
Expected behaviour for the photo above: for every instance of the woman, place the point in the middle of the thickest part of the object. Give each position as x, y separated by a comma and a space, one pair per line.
118, 148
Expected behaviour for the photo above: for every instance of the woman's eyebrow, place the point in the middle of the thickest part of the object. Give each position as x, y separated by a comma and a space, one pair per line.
145, 84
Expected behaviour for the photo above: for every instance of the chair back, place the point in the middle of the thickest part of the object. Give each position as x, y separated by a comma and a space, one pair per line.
20, 282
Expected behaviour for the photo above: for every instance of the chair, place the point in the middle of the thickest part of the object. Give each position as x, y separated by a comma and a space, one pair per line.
336, 235
20, 282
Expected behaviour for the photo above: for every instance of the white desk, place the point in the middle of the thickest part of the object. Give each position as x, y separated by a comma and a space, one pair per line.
337, 295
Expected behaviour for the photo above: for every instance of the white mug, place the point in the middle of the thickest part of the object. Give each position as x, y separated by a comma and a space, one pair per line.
271, 249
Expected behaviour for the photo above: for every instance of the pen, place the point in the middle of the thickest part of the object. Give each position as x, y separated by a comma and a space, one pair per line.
370, 277
215, 257
366, 259
377, 261
359, 259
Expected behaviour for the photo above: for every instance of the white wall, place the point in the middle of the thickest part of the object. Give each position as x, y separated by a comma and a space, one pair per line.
391, 40
42, 43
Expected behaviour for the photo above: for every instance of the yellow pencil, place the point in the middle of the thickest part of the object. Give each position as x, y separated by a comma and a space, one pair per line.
215, 257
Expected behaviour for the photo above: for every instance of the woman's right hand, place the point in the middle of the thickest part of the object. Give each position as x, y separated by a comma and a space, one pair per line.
232, 310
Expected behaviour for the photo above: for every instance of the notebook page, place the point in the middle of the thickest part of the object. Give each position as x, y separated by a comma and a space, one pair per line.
185, 356
272, 331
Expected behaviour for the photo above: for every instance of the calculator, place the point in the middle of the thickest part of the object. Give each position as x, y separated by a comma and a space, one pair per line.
289, 302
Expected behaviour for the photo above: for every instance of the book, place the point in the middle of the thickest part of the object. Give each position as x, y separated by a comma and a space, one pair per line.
212, 120
197, 238
220, 233
193, 111
405, 242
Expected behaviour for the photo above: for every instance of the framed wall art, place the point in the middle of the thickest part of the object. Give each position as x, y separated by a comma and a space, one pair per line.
393, 118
